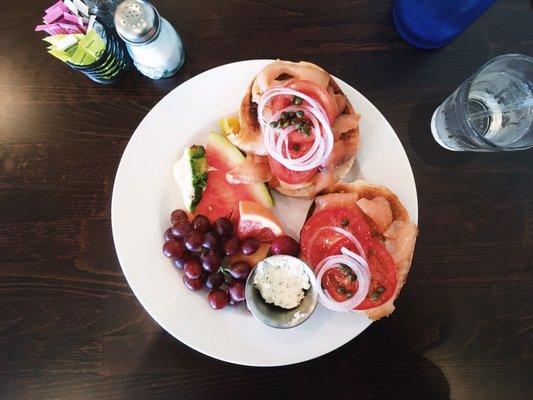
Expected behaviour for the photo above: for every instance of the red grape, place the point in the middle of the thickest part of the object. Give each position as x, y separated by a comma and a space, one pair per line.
217, 299
210, 260
193, 268
240, 270
232, 246
201, 223
223, 227
181, 228
233, 302
218, 251
179, 262
229, 280
285, 245
193, 241
236, 291
210, 241
173, 248
178, 215
214, 280
193, 284
249, 246
168, 234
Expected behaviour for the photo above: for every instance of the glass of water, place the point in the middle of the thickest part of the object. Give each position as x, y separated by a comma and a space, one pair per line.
491, 111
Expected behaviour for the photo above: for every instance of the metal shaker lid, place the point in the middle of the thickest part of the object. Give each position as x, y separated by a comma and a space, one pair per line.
136, 21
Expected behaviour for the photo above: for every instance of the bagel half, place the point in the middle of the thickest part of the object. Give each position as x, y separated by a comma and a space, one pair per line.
399, 238
250, 139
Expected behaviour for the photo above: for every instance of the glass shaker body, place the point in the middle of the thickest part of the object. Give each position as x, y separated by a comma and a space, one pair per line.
103, 9
162, 56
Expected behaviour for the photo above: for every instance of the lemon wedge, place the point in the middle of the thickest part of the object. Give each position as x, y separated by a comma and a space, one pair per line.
230, 125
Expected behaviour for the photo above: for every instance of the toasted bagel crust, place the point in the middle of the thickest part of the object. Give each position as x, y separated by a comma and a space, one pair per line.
249, 138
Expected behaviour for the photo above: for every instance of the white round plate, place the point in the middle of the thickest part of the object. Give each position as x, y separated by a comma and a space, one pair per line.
144, 194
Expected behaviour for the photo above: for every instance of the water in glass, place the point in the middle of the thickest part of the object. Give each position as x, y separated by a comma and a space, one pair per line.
491, 111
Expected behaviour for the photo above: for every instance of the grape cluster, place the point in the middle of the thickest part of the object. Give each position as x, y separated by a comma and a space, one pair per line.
198, 248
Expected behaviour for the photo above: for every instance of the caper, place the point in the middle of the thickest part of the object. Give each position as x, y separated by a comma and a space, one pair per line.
344, 292
345, 269
376, 294
297, 100
341, 290
300, 114
274, 124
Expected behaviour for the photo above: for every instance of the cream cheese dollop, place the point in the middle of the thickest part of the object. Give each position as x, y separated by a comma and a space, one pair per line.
282, 282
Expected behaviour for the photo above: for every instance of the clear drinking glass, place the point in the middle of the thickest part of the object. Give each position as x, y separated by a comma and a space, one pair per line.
491, 111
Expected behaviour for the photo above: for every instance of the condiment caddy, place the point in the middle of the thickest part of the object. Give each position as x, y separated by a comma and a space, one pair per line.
90, 44
81, 41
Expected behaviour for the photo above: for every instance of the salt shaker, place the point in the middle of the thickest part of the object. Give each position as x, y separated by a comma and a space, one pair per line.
154, 45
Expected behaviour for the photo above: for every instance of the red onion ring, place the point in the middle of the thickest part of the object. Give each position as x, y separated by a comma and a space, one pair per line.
356, 257
304, 160
276, 139
360, 269
317, 144
337, 230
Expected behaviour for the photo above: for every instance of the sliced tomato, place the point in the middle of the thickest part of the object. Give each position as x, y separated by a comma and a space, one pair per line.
326, 100
340, 282
316, 92
384, 275
302, 141
336, 248
350, 219
296, 137
280, 102
287, 175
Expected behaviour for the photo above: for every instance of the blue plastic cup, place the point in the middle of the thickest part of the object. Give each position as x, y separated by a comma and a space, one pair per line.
431, 24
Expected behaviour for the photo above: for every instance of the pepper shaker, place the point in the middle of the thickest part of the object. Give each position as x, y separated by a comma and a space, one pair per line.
154, 45
103, 9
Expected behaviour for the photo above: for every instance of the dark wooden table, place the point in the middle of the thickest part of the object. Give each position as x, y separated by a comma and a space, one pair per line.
70, 327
